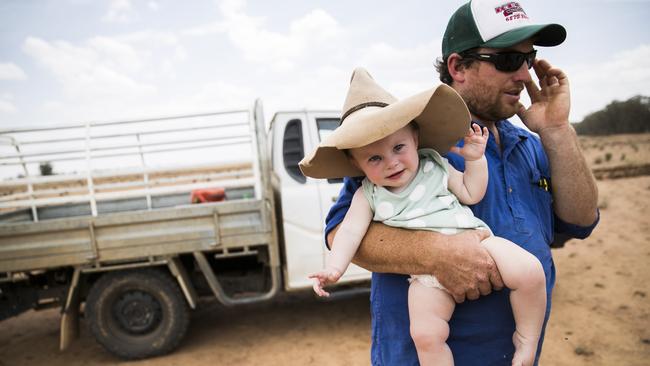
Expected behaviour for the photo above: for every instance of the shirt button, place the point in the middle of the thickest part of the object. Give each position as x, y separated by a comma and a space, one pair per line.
509, 189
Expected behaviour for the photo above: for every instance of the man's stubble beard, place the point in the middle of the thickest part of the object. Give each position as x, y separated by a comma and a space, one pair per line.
486, 105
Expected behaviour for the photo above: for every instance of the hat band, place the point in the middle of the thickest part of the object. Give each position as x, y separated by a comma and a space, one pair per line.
362, 106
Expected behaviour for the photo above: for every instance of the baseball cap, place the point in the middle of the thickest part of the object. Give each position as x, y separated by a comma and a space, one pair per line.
496, 24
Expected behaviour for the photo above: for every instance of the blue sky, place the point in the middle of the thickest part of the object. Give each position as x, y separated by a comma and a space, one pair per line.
78, 60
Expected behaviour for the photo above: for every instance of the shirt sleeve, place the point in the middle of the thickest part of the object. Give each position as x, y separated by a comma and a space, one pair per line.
575, 231
455, 160
340, 208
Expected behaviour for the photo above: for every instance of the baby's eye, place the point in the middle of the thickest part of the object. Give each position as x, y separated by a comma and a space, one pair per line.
374, 158
399, 147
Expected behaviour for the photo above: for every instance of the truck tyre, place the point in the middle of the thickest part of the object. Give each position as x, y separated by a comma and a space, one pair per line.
137, 314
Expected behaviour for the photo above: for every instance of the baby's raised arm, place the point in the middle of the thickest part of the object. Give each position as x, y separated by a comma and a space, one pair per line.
348, 237
471, 185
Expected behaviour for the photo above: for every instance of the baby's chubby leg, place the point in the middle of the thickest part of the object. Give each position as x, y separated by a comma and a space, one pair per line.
523, 274
430, 310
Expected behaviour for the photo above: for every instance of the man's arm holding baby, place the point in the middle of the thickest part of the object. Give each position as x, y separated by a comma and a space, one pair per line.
458, 261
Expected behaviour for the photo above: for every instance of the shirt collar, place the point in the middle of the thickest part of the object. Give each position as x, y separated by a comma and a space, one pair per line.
509, 135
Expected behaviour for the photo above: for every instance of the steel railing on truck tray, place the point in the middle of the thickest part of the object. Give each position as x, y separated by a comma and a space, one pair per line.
105, 167
121, 190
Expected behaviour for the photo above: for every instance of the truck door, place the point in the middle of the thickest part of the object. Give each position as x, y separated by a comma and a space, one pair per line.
323, 123
305, 201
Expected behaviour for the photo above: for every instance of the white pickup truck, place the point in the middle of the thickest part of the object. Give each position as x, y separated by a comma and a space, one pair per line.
118, 227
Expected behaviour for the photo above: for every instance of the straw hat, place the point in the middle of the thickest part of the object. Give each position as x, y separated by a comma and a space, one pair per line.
371, 113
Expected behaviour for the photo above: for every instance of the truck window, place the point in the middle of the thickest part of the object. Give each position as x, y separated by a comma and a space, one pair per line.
326, 126
292, 149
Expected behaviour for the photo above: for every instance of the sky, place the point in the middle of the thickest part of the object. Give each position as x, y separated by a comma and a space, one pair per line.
70, 61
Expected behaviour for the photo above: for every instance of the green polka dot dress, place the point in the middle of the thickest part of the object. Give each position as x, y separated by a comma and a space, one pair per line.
426, 204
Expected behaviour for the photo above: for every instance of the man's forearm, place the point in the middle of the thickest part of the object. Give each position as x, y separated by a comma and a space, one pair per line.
574, 188
459, 261
394, 250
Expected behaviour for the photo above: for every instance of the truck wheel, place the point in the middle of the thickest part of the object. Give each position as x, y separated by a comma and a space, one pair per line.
137, 314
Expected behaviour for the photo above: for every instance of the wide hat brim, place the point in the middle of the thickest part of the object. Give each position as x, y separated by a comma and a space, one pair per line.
441, 115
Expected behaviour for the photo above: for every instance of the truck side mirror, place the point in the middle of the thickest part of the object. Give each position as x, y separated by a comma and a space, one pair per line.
293, 150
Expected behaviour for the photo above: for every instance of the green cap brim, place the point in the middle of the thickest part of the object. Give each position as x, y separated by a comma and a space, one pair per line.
542, 34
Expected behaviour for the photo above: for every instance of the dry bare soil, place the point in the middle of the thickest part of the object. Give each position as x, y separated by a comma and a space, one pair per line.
600, 316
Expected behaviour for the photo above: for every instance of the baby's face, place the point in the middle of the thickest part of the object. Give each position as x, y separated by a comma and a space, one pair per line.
391, 162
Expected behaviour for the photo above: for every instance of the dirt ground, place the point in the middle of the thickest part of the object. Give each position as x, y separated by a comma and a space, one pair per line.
600, 316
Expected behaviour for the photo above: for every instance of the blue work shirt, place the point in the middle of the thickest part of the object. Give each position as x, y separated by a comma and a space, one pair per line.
517, 206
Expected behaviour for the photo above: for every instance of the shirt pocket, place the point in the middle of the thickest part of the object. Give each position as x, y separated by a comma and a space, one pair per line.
543, 202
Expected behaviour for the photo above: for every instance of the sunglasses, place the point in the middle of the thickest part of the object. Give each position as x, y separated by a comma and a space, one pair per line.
505, 61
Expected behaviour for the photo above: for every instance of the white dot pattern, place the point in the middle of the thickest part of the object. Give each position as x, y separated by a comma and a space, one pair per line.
427, 203
447, 200
417, 223
448, 231
463, 220
418, 193
414, 213
385, 210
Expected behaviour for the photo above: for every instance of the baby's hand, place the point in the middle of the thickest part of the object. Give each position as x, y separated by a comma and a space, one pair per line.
323, 278
474, 146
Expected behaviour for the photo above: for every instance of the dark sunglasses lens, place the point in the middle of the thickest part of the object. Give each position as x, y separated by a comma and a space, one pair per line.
530, 58
509, 61
512, 61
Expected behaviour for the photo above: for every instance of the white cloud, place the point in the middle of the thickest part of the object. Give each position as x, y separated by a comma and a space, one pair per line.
99, 69
593, 86
10, 71
315, 32
6, 104
402, 71
318, 25
153, 5
119, 11
224, 94
205, 29
115, 54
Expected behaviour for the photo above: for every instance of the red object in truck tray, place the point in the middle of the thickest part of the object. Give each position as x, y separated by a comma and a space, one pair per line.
208, 195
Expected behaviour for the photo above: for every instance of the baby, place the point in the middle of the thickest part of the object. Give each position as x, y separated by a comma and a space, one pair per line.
408, 184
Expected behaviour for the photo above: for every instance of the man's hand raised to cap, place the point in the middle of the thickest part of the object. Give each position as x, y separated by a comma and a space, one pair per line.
550, 99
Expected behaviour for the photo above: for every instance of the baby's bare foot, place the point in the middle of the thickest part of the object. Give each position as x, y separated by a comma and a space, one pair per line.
525, 349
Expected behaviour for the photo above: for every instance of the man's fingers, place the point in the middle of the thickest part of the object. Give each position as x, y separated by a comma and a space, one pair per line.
484, 288
541, 68
472, 294
482, 234
459, 297
533, 90
495, 279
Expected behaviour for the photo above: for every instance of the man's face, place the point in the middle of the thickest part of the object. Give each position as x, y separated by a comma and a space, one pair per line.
492, 95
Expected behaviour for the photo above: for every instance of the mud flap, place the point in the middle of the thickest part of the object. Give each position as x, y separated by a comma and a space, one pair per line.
70, 313
178, 271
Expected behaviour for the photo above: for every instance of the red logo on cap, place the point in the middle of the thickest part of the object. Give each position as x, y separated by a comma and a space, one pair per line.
509, 10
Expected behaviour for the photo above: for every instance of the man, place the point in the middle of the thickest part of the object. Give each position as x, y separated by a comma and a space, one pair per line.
537, 186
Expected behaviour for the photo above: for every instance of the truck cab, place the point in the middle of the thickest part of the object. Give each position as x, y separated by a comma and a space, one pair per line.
304, 201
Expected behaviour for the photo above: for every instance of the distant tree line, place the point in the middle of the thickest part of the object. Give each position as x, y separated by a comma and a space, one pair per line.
630, 116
